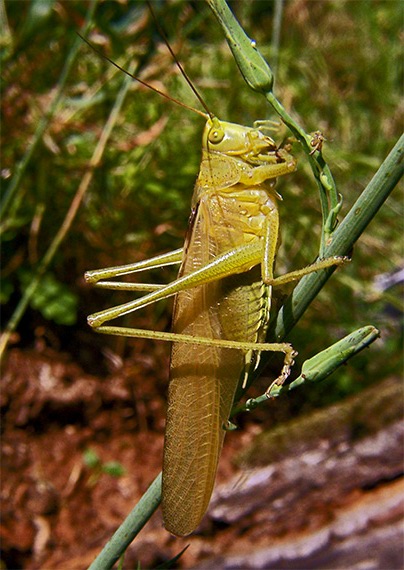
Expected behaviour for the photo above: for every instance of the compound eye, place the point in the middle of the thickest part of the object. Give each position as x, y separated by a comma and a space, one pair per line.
216, 135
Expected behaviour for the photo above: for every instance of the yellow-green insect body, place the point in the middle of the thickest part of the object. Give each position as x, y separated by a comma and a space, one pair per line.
234, 205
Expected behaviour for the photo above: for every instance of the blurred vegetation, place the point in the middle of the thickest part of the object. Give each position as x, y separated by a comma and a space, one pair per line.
338, 70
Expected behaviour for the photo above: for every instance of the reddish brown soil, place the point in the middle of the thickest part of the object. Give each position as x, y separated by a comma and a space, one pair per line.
57, 512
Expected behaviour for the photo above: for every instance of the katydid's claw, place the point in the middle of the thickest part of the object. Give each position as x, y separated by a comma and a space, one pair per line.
288, 363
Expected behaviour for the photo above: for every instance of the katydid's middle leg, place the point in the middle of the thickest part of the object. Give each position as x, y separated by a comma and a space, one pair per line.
288, 278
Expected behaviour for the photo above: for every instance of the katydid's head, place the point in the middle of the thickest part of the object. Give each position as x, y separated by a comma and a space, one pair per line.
235, 140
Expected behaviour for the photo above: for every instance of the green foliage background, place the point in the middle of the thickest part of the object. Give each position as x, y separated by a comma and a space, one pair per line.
337, 68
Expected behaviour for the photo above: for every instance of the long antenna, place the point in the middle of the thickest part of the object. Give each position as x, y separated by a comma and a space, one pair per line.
180, 103
182, 70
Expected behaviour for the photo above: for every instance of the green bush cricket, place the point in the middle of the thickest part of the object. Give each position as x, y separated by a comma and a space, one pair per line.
222, 303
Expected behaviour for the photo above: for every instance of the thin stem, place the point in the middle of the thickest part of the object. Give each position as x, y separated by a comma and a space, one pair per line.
325, 182
130, 527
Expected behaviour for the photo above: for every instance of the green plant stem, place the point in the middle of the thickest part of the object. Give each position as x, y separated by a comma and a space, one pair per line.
258, 75
130, 527
67, 222
21, 168
344, 237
